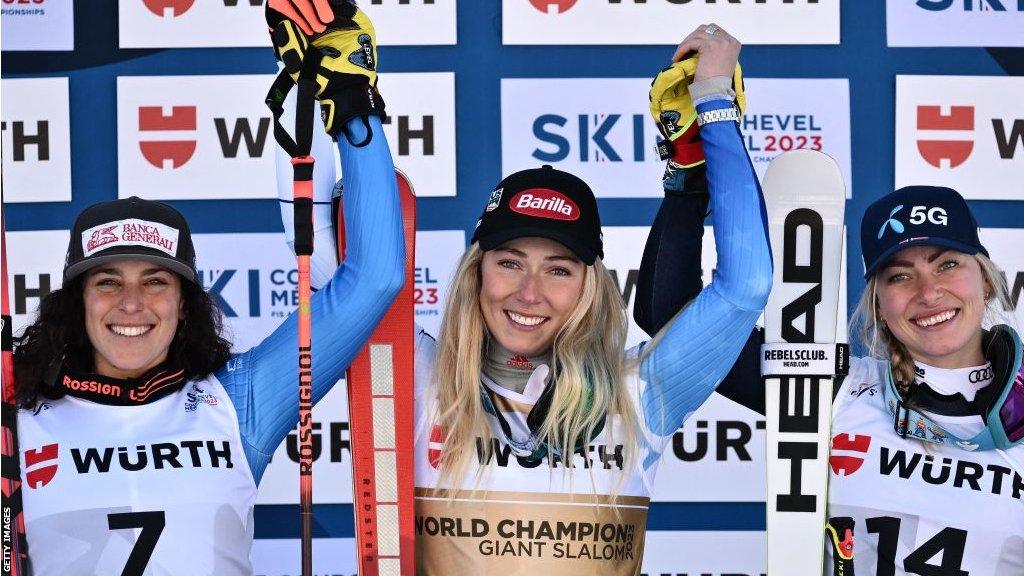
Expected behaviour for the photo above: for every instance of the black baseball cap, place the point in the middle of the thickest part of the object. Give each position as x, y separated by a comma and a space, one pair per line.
130, 228
917, 216
542, 202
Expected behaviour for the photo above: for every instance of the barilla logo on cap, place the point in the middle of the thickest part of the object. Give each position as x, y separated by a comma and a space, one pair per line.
131, 232
544, 203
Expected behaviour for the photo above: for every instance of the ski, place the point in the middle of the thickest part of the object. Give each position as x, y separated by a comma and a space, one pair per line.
14, 543
380, 406
805, 197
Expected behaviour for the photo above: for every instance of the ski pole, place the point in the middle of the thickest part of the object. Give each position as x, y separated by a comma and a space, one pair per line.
302, 210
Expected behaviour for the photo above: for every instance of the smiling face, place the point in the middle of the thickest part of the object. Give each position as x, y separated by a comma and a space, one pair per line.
132, 308
932, 299
529, 288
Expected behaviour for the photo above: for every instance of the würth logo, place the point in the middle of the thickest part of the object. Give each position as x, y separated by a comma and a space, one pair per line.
41, 466
955, 148
848, 453
553, 6
435, 446
162, 7
544, 203
157, 152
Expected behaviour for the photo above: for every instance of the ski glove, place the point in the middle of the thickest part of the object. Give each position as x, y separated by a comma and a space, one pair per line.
311, 16
674, 112
346, 75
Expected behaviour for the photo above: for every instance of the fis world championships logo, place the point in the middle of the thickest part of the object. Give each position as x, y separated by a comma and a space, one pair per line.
196, 396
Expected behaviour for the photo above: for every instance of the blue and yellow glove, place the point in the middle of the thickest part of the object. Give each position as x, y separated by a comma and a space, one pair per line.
346, 74
674, 112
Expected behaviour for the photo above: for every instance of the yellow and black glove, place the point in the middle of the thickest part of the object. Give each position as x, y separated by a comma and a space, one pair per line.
346, 74
676, 117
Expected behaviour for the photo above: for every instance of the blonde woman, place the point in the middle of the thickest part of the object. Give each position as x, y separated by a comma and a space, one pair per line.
538, 437
927, 458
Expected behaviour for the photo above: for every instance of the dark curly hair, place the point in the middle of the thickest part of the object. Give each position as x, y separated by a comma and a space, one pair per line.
58, 334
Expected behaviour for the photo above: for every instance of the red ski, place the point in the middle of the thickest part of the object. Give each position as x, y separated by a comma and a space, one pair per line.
14, 544
380, 406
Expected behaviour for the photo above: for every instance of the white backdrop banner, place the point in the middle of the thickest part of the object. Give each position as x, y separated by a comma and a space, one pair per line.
437, 256
421, 128
36, 139
1004, 245
194, 137
227, 23
790, 114
603, 21
977, 23
37, 25
601, 130
965, 132
35, 264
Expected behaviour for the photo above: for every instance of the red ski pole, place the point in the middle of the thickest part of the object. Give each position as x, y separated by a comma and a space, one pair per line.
302, 207
303, 213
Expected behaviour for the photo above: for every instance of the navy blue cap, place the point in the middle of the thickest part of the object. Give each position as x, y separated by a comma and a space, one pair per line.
917, 216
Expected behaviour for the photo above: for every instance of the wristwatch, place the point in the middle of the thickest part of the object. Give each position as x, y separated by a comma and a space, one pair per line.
720, 115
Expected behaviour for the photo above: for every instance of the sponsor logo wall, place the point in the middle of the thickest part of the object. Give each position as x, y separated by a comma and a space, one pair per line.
965, 132
600, 21
183, 136
600, 130
977, 22
229, 23
37, 25
36, 140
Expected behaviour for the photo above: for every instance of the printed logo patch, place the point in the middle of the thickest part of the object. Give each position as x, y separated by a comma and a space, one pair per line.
41, 466
545, 203
848, 453
495, 200
197, 396
131, 232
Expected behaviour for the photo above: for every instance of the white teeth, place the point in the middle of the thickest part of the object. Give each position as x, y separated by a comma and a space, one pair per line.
526, 320
933, 320
130, 330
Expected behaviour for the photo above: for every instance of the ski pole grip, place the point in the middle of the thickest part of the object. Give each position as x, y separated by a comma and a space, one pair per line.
302, 189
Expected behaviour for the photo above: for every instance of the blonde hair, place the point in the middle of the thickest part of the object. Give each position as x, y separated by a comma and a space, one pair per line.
587, 364
882, 344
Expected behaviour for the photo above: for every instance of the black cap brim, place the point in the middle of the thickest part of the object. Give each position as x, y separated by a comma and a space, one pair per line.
884, 257
499, 237
171, 264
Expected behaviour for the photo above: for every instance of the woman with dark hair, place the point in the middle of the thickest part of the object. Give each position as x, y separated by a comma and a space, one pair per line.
935, 410
144, 438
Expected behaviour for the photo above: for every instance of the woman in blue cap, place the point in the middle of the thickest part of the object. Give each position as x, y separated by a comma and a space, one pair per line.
928, 427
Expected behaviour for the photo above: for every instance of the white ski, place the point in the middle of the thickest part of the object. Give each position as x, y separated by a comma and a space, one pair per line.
805, 198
